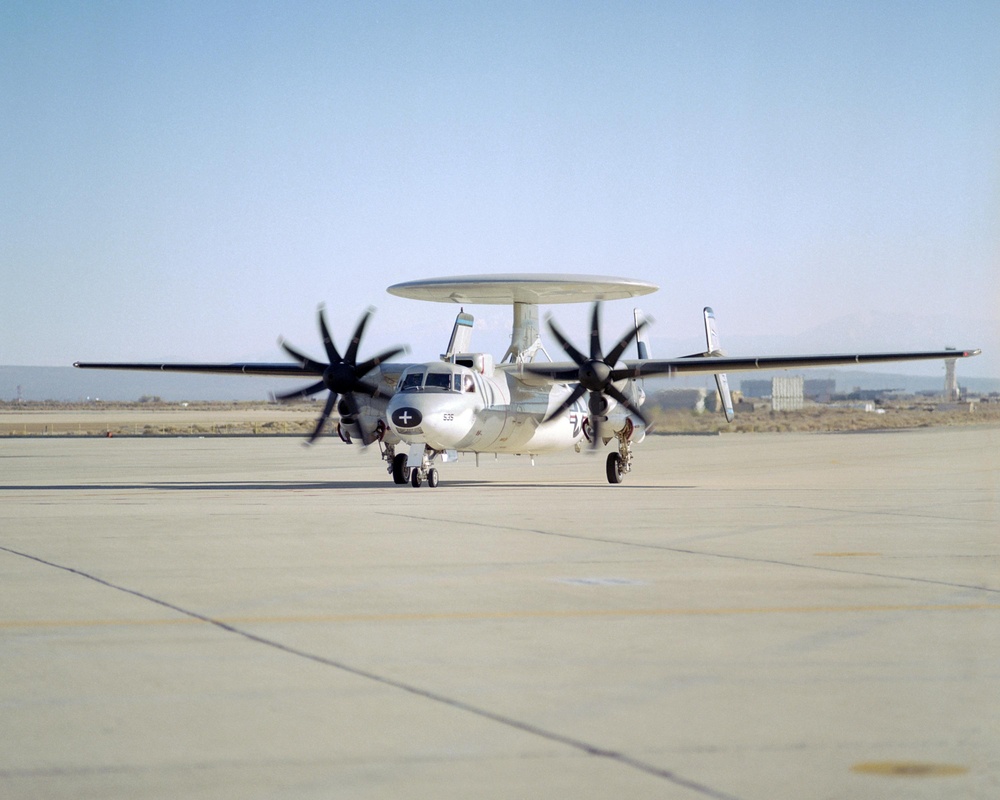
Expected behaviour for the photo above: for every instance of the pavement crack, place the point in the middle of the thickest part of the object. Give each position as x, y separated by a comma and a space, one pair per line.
427, 694
707, 554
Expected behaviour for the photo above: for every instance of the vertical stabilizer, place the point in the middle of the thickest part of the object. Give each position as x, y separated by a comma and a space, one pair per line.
461, 335
721, 381
641, 340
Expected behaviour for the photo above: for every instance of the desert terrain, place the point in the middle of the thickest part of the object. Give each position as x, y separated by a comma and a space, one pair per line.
271, 419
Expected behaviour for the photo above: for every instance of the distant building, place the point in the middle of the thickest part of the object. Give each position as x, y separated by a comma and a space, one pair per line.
951, 391
879, 395
681, 399
786, 394
819, 389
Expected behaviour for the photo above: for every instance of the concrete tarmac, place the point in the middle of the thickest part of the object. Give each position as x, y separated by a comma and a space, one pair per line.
748, 616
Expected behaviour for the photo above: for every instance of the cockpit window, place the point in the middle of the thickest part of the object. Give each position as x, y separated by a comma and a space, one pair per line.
411, 382
421, 380
438, 380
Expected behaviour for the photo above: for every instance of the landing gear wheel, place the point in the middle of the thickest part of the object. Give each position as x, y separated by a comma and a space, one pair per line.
415, 479
432, 477
399, 475
614, 466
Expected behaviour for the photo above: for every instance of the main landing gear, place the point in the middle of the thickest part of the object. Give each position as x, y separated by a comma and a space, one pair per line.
620, 464
396, 465
397, 468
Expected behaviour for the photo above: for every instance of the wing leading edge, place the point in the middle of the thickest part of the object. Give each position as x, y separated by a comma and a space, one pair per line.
693, 365
279, 370
566, 372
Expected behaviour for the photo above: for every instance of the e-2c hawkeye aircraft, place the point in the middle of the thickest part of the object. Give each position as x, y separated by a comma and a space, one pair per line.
465, 402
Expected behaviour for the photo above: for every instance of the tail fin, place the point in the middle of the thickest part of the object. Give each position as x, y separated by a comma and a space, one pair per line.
461, 334
721, 381
641, 340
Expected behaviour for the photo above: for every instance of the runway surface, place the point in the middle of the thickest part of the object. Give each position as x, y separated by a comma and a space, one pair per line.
748, 616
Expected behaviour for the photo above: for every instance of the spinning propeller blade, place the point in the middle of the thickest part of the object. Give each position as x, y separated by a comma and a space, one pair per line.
342, 377
331, 399
595, 375
308, 391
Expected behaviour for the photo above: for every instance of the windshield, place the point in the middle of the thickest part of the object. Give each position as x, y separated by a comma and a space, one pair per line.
438, 380
411, 381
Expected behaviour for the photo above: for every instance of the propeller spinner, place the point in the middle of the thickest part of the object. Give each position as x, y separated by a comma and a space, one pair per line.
342, 376
596, 374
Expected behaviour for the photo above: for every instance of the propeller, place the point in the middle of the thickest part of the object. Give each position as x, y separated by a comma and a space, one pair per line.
342, 376
595, 374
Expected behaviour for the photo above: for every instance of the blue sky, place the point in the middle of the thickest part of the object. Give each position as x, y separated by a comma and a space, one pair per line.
187, 181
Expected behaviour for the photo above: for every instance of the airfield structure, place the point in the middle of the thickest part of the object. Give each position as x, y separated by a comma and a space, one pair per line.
787, 393
951, 391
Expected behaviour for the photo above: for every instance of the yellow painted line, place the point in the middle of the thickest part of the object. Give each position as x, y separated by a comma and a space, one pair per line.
909, 769
493, 615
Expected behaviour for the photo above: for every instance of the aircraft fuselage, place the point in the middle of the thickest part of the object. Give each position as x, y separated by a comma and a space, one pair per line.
450, 407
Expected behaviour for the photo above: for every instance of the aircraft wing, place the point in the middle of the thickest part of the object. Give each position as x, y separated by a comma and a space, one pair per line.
567, 372
280, 370
693, 365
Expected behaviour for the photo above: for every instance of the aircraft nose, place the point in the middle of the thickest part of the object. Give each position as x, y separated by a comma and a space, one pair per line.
406, 417
419, 419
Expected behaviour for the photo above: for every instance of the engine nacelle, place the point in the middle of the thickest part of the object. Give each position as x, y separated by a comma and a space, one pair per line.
620, 420
600, 405
367, 426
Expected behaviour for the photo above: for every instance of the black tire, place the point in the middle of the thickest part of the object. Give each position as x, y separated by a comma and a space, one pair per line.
399, 470
415, 479
432, 477
614, 466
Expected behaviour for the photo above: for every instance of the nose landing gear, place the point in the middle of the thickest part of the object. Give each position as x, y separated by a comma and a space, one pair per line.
416, 475
401, 471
